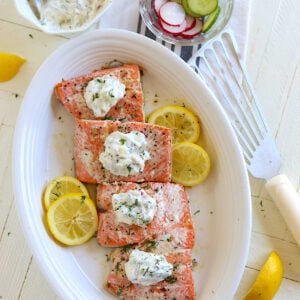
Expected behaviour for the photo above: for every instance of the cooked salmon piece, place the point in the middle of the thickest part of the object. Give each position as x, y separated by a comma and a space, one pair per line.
172, 218
179, 285
89, 139
129, 108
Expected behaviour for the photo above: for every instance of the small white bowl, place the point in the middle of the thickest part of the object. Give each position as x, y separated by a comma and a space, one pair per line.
24, 9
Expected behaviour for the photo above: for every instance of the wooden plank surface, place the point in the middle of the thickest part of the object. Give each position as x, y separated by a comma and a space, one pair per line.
273, 62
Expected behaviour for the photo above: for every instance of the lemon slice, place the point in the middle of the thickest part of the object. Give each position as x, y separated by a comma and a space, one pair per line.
9, 65
268, 279
184, 124
190, 164
72, 219
62, 185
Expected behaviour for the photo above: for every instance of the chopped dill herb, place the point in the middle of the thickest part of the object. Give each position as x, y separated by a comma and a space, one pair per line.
55, 194
125, 249
111, 94
171, 279
197, 212
194, 263
118, 266
83, 197
95, 96
151, 245
122, 141
120, 290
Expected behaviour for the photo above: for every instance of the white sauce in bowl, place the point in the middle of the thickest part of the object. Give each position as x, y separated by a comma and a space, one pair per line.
69, 14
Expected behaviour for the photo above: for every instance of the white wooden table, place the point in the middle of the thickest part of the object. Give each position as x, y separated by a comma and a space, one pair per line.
273, 61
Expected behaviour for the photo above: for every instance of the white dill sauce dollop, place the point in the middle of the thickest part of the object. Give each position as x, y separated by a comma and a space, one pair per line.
134, 207
102, 93
147, 268
125, 153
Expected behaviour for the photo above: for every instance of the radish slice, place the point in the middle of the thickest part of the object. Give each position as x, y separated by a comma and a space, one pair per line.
173, 29
193, 31
190, 22
158, 4
172, 13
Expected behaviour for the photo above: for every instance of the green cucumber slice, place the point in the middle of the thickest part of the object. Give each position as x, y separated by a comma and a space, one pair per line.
211, 19
188, 10
201, 8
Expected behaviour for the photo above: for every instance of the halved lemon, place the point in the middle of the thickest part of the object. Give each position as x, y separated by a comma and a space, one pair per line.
184, 124
190, 164
72, 219
268, 279
62, 185
9, 65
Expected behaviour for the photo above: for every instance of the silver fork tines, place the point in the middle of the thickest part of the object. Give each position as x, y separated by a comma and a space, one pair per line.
218, 64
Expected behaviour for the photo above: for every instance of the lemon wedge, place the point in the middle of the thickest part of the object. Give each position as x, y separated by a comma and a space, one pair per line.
62, 185
184, 124
268, 279
190, 164
72, 219
9, 65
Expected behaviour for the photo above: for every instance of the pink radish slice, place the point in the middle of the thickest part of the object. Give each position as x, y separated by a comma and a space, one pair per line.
194, 31
173, 29
158, 4
172, 13
190, 22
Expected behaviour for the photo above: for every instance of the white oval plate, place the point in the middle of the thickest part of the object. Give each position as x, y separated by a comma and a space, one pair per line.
43, 145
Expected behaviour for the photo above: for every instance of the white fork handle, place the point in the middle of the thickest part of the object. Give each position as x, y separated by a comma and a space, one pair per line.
287, 201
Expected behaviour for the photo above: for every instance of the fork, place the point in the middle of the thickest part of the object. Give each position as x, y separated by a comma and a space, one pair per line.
36, 6
218, 63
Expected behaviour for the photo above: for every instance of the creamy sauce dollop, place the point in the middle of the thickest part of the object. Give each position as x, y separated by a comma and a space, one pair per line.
69, 14
125, 153
147, 268
134, 207
102, 93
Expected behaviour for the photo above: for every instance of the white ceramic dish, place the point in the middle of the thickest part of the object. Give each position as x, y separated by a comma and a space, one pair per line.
24, 9
43, 149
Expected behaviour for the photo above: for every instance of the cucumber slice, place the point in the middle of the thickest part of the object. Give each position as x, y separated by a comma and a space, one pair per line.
188, 10
211, 19
202, 8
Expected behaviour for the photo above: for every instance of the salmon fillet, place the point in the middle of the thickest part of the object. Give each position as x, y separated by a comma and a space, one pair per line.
172, 216
89, 139
129, 108
179, 285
